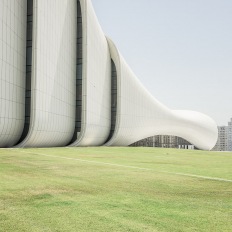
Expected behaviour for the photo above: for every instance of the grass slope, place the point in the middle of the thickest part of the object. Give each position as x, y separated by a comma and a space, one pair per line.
56, 189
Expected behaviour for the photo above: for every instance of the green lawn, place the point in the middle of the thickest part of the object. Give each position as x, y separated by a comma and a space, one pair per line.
115, 189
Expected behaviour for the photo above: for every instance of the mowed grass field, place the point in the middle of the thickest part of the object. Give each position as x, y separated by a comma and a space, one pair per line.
115, 189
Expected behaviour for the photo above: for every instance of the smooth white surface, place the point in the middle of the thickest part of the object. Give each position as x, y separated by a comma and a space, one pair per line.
96, 102
53, 73
52, 121
13, 22
140, 115
182, 47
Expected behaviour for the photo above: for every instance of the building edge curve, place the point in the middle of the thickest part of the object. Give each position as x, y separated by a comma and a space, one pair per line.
195, 127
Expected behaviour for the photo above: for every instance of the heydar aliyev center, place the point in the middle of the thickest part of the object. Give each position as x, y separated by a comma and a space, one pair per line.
63, 83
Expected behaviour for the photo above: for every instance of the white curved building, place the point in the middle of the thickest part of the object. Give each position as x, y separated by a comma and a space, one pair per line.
139, 115
12, 70
74, 88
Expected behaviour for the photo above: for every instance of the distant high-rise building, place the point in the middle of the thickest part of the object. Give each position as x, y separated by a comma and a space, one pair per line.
165, 141
229, 136
224, 142
221, 144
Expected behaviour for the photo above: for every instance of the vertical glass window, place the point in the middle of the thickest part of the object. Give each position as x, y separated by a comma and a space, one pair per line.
28, 69
78, 74
113, 99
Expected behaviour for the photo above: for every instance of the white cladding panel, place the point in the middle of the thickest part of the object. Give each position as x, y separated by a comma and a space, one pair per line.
53, 73
13, 21
96, 96
140, 115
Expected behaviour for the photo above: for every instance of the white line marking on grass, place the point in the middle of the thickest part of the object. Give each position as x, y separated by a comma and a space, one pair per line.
128, 166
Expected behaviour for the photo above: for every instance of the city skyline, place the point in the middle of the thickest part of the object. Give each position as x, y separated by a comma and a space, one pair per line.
182, 47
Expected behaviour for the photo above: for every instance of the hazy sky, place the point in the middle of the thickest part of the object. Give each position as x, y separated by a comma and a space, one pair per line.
181, 50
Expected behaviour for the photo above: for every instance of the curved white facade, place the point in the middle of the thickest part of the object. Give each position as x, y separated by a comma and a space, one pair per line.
13, 16
79, 89
95, 124
140, 115
53, 73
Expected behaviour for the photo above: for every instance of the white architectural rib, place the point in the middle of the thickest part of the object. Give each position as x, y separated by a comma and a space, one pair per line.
140, 115
52, 117
13, 22
95, 124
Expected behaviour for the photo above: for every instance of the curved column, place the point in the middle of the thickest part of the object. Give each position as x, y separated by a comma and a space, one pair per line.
13, 21
52, 105
140, 115
96, 69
